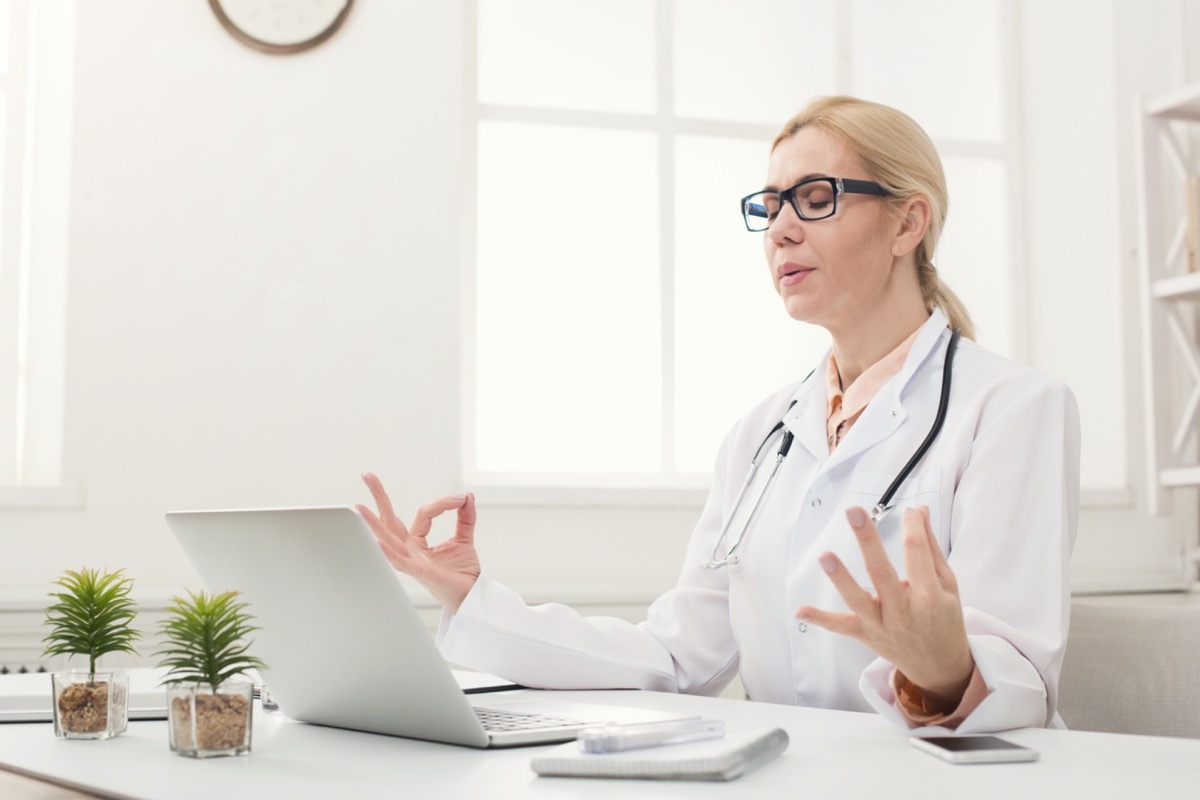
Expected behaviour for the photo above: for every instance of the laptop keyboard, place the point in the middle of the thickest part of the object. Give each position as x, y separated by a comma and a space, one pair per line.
494, 719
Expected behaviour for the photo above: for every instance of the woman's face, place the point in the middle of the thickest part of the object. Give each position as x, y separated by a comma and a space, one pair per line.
834, 272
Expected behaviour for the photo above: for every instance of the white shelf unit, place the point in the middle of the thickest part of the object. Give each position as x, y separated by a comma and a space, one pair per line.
1164, 125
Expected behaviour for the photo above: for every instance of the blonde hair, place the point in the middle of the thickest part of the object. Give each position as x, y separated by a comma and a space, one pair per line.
900, 156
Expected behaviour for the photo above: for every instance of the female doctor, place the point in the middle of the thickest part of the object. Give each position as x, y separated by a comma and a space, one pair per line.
940, 601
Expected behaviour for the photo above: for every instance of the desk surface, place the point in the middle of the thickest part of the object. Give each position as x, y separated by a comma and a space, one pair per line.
832, 754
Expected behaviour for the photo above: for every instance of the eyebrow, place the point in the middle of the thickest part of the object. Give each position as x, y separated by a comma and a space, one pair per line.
807, 177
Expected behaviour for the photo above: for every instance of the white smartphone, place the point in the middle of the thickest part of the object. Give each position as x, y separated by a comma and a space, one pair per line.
973, 749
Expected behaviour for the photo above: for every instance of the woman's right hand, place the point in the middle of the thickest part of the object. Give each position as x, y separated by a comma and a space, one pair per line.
448, 570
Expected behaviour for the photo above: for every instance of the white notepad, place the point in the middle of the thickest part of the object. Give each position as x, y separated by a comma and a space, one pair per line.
710, 760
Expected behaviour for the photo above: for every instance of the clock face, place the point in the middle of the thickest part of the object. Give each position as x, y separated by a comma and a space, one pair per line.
281, 26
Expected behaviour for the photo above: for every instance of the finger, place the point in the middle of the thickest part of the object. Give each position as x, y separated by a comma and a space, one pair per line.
423, 520
941, 565
875, 558
384, 503
464, 531
383, 534
391, 543
846, 624
857, 599
919, 565
373, 522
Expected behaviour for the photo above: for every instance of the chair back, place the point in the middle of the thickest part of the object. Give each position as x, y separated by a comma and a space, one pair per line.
1132, 669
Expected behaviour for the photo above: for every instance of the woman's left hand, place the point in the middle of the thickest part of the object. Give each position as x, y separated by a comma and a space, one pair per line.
916, 623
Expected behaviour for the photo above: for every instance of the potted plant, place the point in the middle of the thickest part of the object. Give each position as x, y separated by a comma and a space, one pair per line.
92, 617
208, 711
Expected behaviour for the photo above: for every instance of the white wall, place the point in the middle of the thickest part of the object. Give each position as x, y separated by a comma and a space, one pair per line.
1082, 63
264, 274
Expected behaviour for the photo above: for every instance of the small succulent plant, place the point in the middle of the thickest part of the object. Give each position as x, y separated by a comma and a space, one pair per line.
205, 639
93, 616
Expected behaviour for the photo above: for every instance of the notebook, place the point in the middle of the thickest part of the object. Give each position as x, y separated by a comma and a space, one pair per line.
710, 760
343, 644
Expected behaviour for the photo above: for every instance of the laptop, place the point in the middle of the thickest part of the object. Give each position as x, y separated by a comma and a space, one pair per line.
344, 645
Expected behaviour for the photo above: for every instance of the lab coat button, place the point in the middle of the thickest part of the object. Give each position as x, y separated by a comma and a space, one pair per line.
816, 503
802, 627
895, 413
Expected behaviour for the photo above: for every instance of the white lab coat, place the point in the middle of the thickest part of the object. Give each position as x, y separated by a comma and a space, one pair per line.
1002, 486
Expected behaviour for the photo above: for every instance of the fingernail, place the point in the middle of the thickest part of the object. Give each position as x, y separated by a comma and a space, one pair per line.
827, 562
458, 497
856, 517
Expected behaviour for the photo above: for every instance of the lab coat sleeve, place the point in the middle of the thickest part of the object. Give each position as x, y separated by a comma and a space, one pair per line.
685, 645
1013, 517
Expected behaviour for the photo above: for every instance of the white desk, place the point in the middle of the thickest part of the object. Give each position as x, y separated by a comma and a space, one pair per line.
832, 754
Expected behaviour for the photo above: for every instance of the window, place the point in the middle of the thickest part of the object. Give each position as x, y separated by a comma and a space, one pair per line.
622, 316
13, 279
36, 45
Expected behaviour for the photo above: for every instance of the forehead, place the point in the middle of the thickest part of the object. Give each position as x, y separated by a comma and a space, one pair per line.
811, 152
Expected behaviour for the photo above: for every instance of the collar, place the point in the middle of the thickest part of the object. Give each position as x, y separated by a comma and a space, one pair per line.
806, 418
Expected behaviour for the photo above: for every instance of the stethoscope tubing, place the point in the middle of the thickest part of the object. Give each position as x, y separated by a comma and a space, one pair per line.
884, 506
880, 510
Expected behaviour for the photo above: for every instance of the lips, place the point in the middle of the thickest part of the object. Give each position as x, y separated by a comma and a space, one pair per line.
791, 274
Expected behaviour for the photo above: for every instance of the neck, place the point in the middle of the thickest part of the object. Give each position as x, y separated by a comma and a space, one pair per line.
855, 350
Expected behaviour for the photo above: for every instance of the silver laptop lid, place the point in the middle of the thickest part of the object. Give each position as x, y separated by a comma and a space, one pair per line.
343, 643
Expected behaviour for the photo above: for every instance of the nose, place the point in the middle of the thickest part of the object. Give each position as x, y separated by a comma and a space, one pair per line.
787, 226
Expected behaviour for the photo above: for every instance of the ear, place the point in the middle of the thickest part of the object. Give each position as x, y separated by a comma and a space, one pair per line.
914, 218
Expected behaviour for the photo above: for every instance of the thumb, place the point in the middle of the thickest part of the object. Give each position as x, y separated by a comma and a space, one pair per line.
465, 529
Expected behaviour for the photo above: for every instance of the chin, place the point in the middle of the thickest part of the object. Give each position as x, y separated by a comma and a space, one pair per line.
800, 309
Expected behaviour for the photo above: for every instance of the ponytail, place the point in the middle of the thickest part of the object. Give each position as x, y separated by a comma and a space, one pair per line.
938, 295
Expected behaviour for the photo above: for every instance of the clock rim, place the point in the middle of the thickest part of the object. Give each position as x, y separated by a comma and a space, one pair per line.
279, 49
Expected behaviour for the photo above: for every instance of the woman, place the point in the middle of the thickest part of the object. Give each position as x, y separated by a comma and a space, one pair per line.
953, 609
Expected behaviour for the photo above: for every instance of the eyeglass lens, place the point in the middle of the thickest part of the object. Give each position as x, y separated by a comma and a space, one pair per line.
815, 199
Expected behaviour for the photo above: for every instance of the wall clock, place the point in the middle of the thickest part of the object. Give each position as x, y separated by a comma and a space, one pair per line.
281, 26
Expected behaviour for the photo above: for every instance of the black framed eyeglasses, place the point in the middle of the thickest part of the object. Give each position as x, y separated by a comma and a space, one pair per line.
812, 199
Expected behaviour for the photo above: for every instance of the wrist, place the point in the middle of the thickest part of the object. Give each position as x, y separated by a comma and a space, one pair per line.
941, 695
452, 596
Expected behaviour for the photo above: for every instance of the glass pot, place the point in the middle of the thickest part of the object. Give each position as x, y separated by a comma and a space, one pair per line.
204, 722
90, 706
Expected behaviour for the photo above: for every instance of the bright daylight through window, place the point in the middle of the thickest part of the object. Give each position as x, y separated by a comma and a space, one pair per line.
623, 317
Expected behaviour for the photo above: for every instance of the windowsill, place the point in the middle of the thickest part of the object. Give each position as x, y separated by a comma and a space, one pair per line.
673, 497
64, 497
655, 497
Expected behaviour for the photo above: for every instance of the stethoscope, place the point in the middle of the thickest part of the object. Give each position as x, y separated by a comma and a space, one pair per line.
881, 509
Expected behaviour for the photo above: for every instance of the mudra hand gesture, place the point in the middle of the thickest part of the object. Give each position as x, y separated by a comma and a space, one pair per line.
915, 623
448, 570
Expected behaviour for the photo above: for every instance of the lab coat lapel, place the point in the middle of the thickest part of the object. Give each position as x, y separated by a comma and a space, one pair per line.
885, 412
806, 418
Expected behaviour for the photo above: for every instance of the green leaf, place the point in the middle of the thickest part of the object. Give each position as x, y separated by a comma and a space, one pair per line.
93, 615
204, 639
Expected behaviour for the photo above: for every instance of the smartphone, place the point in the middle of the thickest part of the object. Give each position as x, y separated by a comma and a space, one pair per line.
973, 749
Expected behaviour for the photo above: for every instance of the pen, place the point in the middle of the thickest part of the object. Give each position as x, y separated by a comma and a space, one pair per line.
612, 738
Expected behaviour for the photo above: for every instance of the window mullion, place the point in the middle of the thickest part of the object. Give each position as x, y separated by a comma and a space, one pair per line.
11, 288
468, 248
664, 78
843, 14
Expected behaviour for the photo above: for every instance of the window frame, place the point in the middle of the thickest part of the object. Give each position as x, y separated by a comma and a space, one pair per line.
33, 256
670, 488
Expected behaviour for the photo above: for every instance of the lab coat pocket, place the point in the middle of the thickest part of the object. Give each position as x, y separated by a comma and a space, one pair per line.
864, 490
